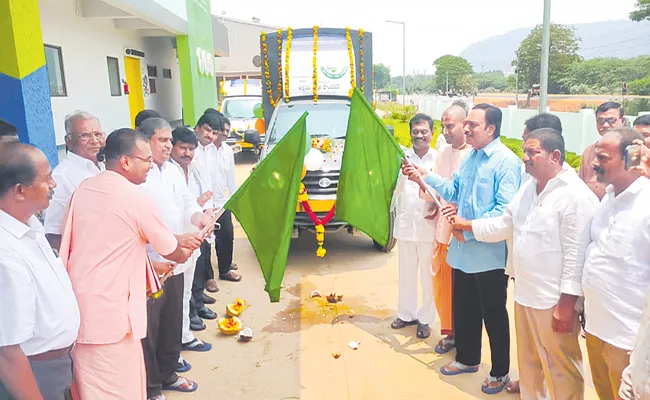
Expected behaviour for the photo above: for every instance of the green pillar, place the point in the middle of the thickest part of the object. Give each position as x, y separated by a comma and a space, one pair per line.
196, 62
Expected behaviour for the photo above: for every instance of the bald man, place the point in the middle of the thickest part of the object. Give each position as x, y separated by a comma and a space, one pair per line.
449, 159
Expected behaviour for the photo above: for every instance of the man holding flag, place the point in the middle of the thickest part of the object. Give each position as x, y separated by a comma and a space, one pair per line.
415, 232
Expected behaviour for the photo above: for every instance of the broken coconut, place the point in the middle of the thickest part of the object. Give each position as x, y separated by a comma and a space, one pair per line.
354, 345
245, 335
315, 293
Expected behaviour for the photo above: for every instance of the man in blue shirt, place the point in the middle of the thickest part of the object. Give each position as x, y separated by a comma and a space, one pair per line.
484, 184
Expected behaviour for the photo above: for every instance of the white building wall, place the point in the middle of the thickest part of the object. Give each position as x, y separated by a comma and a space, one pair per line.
177, 7
85, 43
167, 100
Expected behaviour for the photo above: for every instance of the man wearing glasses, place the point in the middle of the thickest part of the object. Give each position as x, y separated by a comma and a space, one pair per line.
608, 116
83, 139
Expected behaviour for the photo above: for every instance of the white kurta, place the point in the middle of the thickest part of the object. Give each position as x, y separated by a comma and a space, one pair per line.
415, 236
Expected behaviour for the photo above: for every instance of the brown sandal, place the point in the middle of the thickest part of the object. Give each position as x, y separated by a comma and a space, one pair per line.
513, 387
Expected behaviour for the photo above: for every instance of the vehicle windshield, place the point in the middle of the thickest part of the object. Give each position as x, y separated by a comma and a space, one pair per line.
240, 107
324, 119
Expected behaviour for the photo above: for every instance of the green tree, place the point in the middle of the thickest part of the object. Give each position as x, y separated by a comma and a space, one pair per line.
491, 79
454, 68
642, 11
382, 76
465, 84
563, 53
605, 75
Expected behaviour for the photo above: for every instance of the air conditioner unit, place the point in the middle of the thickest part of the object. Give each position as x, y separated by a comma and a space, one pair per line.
134, 53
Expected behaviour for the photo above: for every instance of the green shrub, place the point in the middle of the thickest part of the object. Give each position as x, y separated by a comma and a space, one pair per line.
635, 106
516, 146
640, 86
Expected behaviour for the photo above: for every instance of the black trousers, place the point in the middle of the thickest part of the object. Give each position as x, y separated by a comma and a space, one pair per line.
224, 243
162, 346
481, 298
202, 273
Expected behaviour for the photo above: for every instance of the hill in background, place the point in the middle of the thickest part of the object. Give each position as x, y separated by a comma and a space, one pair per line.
621, 39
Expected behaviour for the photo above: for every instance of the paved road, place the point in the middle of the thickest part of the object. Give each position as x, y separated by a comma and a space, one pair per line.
290, 356
586, 97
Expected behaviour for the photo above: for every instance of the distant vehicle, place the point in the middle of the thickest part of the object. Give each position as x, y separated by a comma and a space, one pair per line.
534, 91
243, 132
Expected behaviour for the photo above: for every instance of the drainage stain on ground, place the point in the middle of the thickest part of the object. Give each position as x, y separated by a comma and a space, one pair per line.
305, 312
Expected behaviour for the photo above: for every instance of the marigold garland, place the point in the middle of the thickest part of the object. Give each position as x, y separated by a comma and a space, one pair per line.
362, 72
279, 66
353, 81
286, 65
314, 88
319, 224
267, 74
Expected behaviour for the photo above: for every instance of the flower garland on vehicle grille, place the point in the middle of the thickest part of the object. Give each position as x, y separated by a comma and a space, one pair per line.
353, 81
362, 72
314, 87
286, 64
319, 224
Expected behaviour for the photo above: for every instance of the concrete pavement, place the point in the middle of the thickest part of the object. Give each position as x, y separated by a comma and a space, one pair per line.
291, 354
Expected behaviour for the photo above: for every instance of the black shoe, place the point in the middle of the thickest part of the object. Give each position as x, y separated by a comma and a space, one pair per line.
196, 324
400, 323
206, 313
208, 300
423, 331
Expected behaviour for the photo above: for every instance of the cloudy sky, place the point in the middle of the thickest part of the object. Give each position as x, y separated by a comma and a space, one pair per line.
433, 27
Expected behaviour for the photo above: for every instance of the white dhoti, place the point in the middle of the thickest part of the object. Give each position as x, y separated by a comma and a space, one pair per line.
188, 278
415, 260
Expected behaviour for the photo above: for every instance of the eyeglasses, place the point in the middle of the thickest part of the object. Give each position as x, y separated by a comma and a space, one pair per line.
86, 136
145, 159
610, 121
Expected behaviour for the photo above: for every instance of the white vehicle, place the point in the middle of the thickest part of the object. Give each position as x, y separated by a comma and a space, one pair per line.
240, 111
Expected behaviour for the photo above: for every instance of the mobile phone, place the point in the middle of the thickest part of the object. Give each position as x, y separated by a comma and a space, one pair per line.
632, 156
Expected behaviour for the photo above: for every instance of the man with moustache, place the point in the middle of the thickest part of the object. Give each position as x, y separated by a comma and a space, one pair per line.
39, 316
616, 274
549, 221
204, 161
609, 115
224, 186
185, 143
84, 138
104, 248
415, 234
486, 182
181, 213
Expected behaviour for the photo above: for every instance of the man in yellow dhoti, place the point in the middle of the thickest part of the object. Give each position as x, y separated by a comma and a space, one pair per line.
449, 160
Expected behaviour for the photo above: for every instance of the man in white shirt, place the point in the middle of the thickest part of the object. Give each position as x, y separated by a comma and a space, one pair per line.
84, 138
224, 186
205, 161
539, 121
616, 274
39, 316
415, 232
168, 189
636, 377
185, 143
548, 222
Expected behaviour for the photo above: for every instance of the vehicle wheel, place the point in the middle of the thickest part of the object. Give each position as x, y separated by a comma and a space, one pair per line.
391, 240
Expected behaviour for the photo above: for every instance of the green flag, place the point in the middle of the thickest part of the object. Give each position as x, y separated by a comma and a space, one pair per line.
371, 163
265, 205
